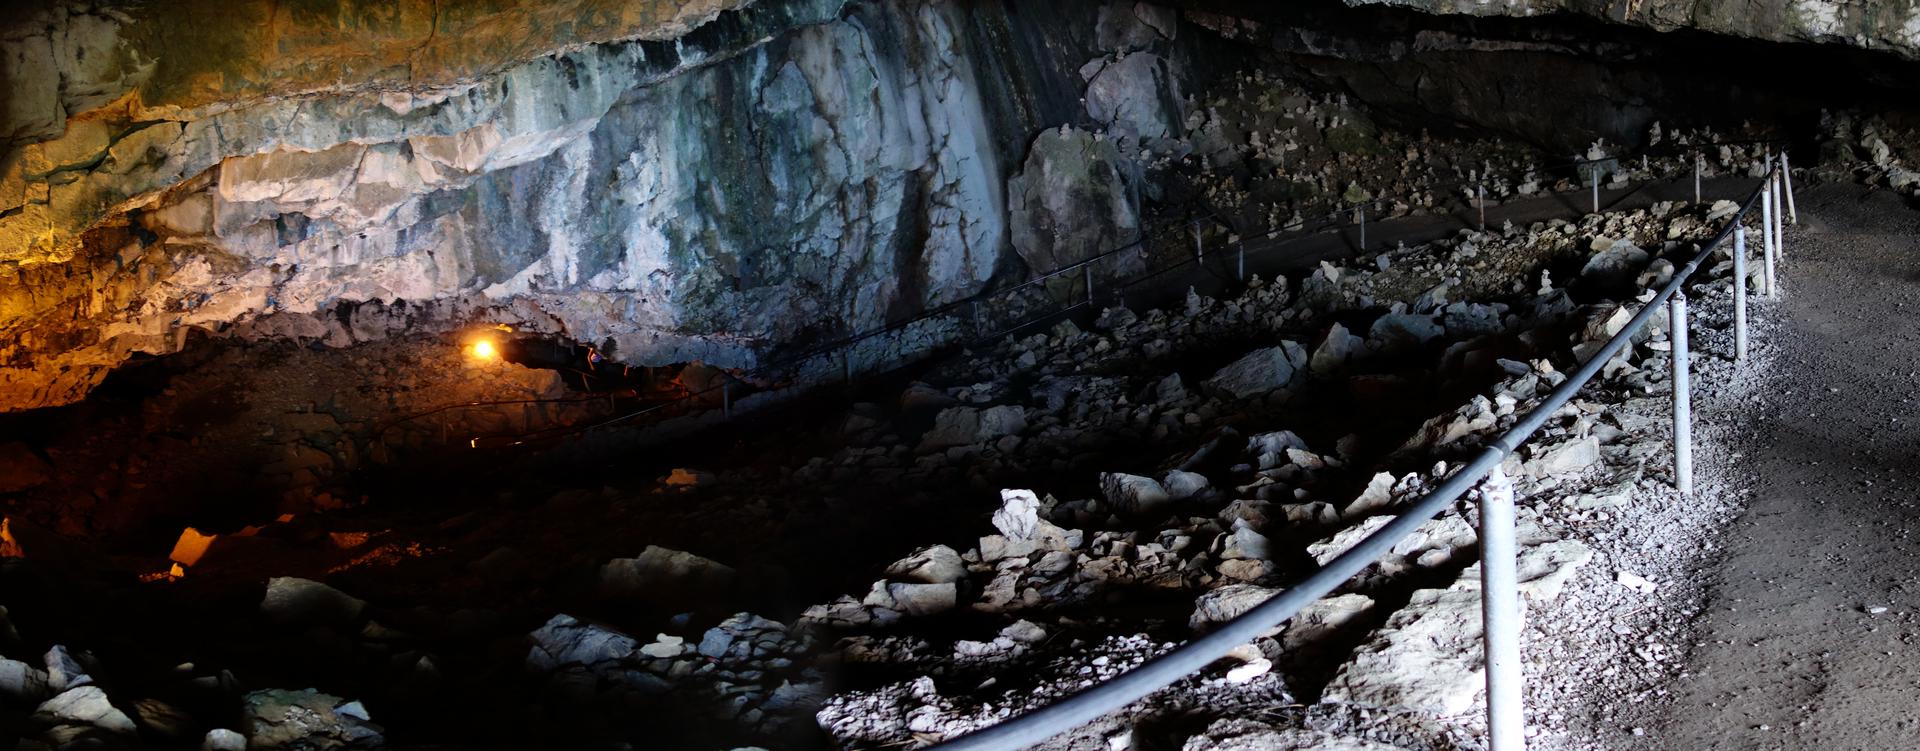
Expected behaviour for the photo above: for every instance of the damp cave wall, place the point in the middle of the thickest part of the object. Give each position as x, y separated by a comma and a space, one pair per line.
775, 175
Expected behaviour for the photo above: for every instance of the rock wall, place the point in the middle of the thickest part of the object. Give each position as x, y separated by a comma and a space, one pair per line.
698, 181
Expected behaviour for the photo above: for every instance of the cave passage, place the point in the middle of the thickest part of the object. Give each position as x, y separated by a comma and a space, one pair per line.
856, 374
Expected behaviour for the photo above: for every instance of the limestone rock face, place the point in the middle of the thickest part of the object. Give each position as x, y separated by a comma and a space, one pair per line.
710, 180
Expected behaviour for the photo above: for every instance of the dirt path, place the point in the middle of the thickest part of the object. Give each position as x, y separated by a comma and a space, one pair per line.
1811, 636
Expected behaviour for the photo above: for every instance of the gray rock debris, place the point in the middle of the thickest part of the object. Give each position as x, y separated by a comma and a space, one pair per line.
308, 719
1428, 655
1133, 494
937, 564
22, 682
964, 426
86, 705
1338, 351
1252, 735
1260, 372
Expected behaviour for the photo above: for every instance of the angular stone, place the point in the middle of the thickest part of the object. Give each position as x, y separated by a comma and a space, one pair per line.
1567, 458
87, 705
64, 670
1181, 485
1336, 352
1376, 497
937, 564
923, 599
1259, 372
1401, 332
1133, 494
1426, 658
1220, 605
22, 682
1322, 619
565, 640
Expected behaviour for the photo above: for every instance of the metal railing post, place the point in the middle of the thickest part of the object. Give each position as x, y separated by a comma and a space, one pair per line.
1596, 188
1500, 615
1482, 191
1363, 226
1243, 260
1740, 294
1682, 394
1779, 217
1786, 173
1766, 239
1697, 159
1089, 268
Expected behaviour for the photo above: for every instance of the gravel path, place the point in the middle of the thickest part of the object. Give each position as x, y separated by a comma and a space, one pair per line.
1808, 636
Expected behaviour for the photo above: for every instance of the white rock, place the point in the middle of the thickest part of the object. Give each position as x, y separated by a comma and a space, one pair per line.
1247, 671
85, 704
1634, 582
222, 739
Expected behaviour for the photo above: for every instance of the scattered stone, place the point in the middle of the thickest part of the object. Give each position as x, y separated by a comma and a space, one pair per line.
1227, 603
565, 640
23, 683
1181, 485
937, 564
1259, 372
1634, 582
307, 719
1133, 494
222, 739
65, 670
85, 705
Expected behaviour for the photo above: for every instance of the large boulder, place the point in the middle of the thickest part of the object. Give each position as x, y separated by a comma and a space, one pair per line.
1071, 201
1260, 372
1138, 97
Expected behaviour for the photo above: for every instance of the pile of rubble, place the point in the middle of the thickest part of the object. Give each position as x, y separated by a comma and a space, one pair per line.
1264, 155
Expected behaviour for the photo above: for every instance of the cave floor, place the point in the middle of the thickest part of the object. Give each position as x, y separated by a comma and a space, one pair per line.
1808, 639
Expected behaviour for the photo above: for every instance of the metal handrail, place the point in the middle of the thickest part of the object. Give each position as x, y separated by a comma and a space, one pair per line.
1073, 711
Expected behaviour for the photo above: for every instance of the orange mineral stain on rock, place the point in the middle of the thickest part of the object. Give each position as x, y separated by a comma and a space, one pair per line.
191, 546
